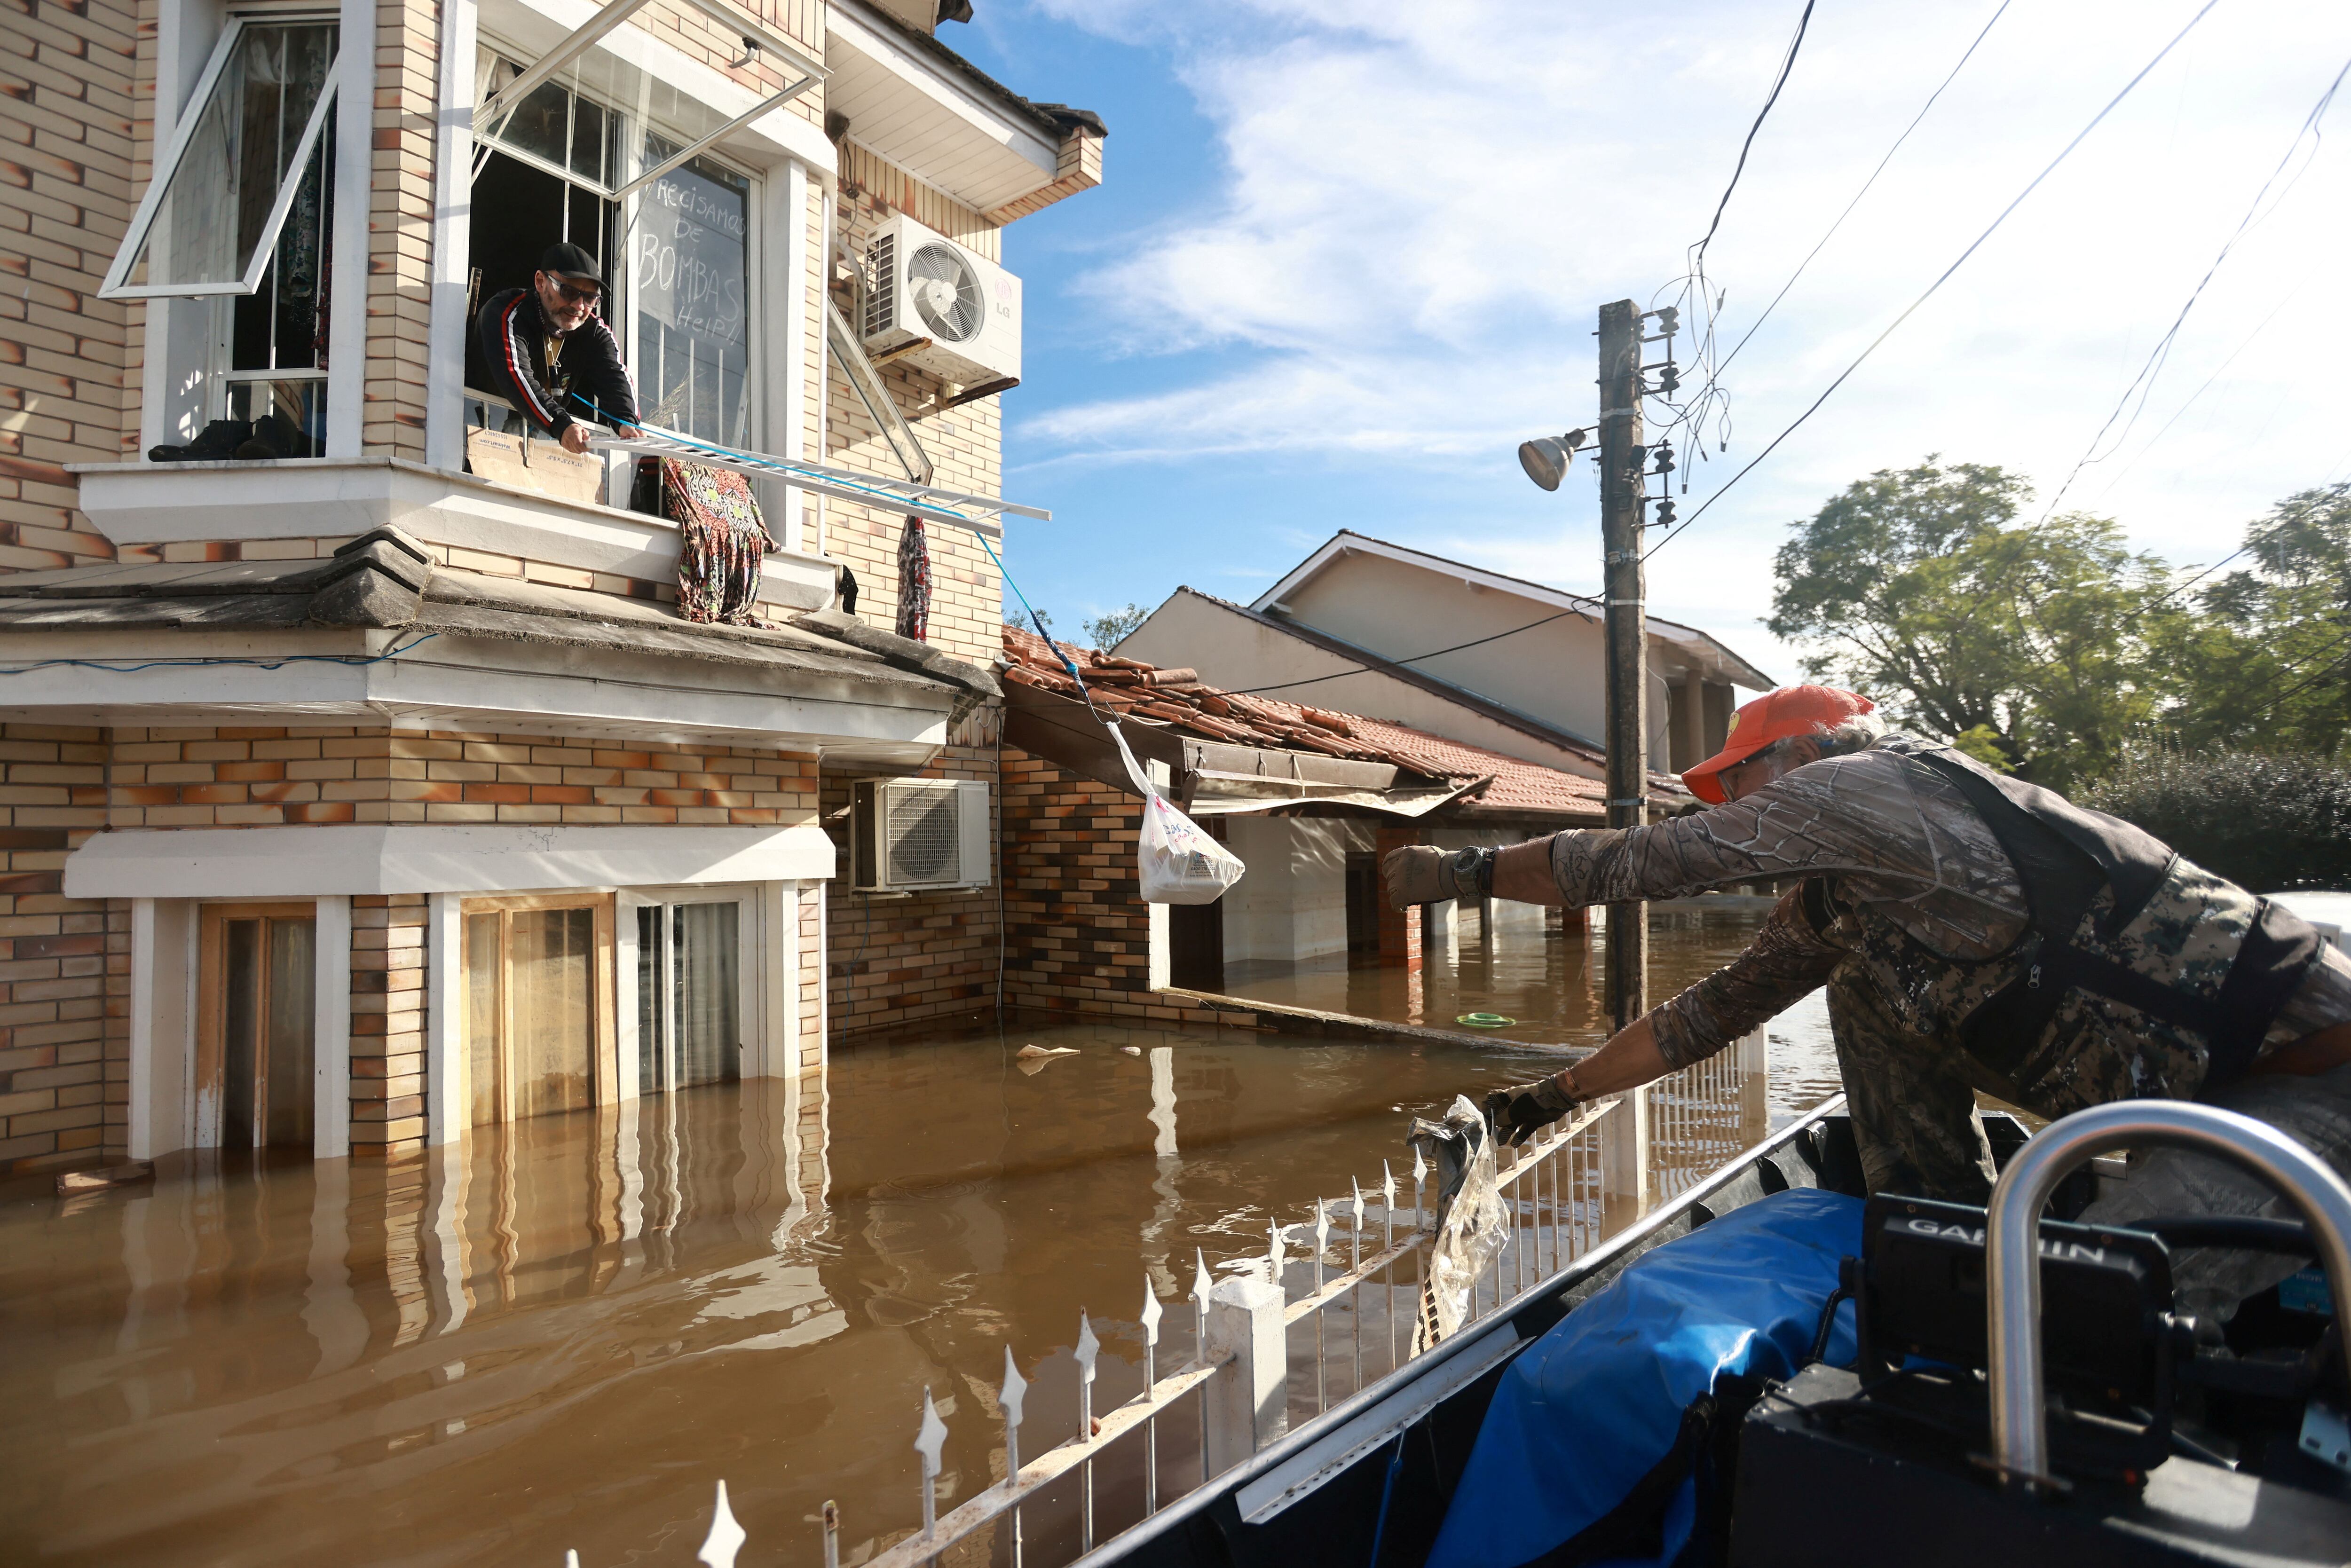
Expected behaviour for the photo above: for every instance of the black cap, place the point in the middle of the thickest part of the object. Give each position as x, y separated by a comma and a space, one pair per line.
570, 261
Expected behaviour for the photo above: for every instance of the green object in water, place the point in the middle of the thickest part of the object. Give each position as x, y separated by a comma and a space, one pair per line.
1486, 1020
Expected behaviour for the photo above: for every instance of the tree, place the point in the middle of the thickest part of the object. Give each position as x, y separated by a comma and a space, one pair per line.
1014, 615
1109, 631
2262, 659
1915, 588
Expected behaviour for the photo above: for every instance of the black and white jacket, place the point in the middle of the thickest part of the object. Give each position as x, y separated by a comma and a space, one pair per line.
513, 341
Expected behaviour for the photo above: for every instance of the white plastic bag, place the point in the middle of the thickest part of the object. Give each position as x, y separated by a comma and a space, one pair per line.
1179, 862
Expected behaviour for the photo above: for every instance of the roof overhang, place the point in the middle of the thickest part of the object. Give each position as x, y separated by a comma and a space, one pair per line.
937, 123
1699, 649
1212, 778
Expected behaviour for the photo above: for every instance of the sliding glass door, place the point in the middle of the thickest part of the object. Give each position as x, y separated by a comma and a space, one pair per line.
538, 984
689, 972
256, 1045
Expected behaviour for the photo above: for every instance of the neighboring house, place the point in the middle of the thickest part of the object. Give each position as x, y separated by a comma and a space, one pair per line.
1343, 617
377, 790
1308, 798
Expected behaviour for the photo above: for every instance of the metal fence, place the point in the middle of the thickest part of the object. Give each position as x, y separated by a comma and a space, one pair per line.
1328, 1309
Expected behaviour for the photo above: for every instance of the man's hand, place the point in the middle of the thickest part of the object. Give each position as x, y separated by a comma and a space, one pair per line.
1517, 1112
1417, 873
575, 437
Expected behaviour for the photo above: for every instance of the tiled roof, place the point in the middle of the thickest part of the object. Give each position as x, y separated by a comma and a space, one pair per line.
1173, 698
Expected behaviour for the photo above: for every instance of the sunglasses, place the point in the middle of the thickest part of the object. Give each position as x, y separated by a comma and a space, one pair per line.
588, 296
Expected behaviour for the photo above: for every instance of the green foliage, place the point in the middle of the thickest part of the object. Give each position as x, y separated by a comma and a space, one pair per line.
1983, 743
2259, 658
2269, 822
1917, 588
1109, 631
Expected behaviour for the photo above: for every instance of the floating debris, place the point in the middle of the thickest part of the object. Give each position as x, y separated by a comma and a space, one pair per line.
1031, 1052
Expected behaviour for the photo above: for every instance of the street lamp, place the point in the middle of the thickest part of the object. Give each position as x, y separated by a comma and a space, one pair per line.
1546, 457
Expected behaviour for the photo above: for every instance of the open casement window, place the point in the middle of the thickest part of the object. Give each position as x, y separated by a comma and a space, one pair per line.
255, 137
538, 1010
256, 1060
692, 999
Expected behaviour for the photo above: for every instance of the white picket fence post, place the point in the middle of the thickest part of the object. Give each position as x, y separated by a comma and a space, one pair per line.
1248, 1403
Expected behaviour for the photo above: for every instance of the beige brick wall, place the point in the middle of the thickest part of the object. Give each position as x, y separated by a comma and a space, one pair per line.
63, 1028
400, 229
965, 444
387, 1014
264, 777
66, 191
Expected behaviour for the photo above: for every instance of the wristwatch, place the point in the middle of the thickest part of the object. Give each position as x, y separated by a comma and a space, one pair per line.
1473, 870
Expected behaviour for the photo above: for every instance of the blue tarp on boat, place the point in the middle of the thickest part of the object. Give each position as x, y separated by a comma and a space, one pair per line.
1593, 1409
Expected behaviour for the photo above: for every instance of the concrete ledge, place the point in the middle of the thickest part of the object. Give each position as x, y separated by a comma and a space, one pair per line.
313, 862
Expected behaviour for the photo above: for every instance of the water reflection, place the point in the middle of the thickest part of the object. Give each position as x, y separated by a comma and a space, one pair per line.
562, 1331
1551, 982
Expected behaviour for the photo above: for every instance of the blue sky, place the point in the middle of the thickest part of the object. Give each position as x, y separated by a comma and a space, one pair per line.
1345, 258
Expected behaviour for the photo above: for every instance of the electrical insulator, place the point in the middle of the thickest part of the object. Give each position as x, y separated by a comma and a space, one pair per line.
1664, 514
1669, 318
1668, 380
1665, 454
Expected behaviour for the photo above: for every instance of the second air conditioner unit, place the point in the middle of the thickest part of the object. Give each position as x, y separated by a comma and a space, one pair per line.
909, 834
937, 305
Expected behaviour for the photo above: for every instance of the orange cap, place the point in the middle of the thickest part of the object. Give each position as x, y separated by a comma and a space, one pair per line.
1774, 716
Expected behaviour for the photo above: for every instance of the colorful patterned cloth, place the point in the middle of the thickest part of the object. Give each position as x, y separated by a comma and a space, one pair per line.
915, 583
721, 540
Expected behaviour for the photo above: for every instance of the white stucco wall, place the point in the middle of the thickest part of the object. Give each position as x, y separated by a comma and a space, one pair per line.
1292, 904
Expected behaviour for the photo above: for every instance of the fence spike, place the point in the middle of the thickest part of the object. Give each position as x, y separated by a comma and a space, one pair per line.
1016, 1389
571, 1559
726, 1537
1275, 1254
1321, 1230
929, 1442
1087, 1348
1151, 1313
1387, 1184
1359, 1199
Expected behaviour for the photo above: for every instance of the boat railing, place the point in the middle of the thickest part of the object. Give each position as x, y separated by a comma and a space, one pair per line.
1328, 1310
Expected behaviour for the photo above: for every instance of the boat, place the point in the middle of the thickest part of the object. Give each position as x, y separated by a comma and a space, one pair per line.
1946, 1443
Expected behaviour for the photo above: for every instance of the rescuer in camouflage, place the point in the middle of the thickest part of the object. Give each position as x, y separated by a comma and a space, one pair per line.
1974, 934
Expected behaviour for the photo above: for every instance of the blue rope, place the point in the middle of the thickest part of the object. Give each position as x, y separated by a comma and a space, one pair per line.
1059, 651
786, 464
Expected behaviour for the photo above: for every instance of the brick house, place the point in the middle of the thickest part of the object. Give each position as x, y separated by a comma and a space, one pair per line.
374, 788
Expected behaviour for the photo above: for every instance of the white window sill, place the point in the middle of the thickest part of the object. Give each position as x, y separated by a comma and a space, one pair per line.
331, 497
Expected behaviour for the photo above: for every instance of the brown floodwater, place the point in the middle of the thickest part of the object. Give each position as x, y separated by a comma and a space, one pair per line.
1552, 985
562, 1332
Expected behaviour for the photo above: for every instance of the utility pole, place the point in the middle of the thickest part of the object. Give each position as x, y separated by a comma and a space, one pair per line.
1622, 459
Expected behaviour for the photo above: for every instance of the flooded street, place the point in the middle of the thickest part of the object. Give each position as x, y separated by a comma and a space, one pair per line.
563, 1333
1552, 985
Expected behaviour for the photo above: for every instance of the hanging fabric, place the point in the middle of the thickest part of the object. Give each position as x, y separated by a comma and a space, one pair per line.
721, 541
914, 582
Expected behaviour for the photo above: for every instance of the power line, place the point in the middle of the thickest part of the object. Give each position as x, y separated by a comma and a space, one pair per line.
1865, 184
1694, 412
2078, 137
2162, 349
1787, 64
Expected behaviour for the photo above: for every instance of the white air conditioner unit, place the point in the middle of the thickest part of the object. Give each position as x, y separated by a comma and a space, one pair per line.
940, 308
906, 834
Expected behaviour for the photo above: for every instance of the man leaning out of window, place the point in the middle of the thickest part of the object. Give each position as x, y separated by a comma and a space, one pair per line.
550, 355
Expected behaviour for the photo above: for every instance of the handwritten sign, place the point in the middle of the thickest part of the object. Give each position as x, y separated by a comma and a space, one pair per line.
690, 257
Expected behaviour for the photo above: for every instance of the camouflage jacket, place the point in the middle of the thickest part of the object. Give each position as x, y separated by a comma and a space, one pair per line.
1911, 896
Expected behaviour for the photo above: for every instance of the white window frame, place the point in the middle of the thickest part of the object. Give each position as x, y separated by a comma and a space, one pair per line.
168, 167
620, 303
751, 977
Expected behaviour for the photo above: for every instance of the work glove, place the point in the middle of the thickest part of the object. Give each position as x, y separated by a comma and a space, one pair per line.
1422, 873
1515, 1113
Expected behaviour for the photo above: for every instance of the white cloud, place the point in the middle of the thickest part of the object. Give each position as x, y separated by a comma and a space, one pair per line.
1426, 205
